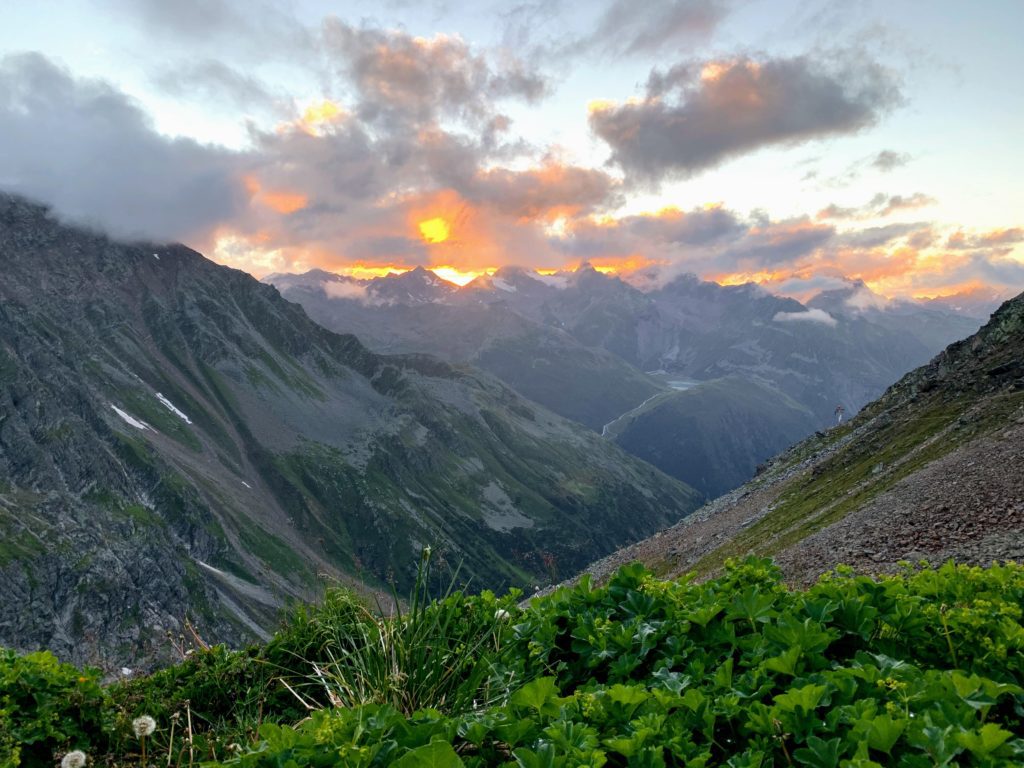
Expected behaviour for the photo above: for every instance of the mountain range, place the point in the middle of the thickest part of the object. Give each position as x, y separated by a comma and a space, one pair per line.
178, 440
702, 380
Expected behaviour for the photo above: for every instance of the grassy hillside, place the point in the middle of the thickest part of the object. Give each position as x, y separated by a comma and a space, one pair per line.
924, 668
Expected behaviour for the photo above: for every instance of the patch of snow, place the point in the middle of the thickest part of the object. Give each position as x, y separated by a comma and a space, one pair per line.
501, 285
212, 568
172, 408
130, 419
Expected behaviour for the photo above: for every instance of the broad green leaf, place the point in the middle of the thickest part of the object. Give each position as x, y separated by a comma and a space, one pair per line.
883, 732
537, 695
986, 741
784, 663
819, 753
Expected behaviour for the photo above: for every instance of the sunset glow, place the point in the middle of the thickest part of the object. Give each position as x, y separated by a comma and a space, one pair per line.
458, 276
317, 115
435, 230
365, 139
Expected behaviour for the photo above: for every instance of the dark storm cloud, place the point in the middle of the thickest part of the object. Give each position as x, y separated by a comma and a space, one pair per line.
888, 160
91, 152
695, 116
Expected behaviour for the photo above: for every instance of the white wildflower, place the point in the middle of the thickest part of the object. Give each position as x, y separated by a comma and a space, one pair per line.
143, 726
502, 615
75, 759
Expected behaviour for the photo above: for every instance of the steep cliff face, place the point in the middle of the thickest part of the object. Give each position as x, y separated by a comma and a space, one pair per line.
932, 470
177, 439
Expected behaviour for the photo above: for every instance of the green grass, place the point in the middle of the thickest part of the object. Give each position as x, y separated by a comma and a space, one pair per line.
277, 555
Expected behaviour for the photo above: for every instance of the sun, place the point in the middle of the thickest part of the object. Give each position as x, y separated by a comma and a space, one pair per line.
435, 230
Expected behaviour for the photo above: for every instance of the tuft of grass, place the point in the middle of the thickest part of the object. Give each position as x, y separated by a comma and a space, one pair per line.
436, 654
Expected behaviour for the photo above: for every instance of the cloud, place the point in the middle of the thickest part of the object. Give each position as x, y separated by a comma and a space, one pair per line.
216, 83
546, 192
352, 290
863, 298
874, 237
402, 80
879, 206
995, 238
626, 28
696, 116
776, 243
810, 316
92, 153
888, 160
256, 29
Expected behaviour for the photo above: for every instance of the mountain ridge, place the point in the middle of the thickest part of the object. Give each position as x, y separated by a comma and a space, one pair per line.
177, 438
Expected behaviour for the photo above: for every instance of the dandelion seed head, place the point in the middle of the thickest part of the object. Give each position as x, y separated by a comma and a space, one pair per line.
74, 759
143, 726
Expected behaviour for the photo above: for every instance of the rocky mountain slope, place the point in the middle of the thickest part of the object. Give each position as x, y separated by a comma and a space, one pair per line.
176, 438
932, 470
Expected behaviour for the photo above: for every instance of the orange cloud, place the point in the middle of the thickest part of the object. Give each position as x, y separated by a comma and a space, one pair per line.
280, 201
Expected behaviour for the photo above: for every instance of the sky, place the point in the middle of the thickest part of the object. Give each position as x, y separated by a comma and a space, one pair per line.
793, 143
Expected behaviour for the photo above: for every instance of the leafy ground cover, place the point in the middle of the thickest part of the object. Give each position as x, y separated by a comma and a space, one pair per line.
925, 668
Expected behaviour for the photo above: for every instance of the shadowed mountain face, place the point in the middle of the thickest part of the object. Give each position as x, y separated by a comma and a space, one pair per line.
932, 470
177, 439
597, 350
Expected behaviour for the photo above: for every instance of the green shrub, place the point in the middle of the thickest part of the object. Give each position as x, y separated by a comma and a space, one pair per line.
48, 708
921, 669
